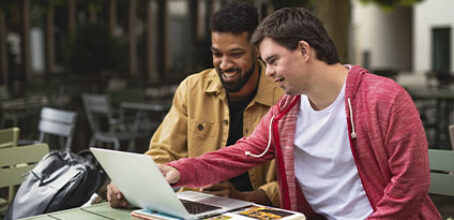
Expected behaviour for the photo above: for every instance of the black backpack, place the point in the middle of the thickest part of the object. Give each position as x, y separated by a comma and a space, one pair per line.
61, 180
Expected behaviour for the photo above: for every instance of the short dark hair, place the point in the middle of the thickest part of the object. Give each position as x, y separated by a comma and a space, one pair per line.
235, 18
288, 26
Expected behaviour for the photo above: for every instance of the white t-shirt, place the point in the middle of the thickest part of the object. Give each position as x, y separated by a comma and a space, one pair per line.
324, 165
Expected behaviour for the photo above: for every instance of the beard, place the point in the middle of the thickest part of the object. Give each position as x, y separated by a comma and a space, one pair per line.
238, 84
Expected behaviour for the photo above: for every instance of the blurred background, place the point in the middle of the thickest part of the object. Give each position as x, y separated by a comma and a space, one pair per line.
139, 50
135, 52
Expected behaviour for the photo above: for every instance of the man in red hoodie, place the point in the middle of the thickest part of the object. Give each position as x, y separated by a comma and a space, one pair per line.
348, 144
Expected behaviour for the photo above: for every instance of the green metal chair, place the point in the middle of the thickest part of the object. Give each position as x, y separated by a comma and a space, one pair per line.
441, 172
9, 137
15, 162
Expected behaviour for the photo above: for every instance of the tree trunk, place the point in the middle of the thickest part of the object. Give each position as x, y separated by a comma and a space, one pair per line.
162, 39
3, 54
335, 15
149, 40
50, 42
71, 16
131, 37
26, 40
92, 17
112, 16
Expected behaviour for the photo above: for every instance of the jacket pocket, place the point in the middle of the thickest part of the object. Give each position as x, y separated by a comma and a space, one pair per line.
201, 128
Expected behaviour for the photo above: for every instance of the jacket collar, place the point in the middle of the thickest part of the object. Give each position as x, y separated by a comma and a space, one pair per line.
214, 83
354, 80
265, 91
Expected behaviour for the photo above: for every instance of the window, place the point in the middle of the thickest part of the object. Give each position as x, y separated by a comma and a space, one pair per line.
441, 49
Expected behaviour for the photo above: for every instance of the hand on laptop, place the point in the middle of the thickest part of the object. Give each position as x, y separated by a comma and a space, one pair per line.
115, 197
226, 189
171, 174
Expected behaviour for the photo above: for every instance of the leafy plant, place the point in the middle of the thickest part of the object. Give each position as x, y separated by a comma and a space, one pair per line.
93, 51
391, 4
6, 5
292, 3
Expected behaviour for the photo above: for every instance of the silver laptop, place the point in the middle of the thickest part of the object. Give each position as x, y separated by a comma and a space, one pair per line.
143, 185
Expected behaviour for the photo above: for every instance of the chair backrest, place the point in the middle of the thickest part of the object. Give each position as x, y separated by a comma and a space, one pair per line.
57, 122
9, 137
97, 106
441, 172
17, 161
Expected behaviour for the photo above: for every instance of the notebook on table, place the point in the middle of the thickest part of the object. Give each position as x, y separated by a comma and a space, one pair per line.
139, 179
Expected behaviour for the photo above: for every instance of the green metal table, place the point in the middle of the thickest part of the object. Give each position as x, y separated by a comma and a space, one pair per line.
100, 211
103, 211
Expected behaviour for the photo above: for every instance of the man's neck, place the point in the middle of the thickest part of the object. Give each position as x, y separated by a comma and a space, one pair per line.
328, 82
249, 87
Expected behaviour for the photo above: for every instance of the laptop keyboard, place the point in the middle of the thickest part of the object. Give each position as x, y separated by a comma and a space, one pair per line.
195, 207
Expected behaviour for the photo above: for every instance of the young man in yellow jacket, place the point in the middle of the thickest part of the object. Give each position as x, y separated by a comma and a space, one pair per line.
218, 106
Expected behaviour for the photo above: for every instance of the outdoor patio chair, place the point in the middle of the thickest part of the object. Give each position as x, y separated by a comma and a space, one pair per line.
15, 162
441, 172
9, 137
106, 128
55, 123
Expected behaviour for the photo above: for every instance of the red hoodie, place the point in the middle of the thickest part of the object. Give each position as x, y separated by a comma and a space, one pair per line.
386, 137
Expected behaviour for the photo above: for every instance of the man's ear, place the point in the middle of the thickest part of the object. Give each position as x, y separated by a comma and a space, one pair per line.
304, 48
257, 52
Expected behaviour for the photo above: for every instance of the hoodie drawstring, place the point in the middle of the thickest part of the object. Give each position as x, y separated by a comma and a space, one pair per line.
248, 153
353, 134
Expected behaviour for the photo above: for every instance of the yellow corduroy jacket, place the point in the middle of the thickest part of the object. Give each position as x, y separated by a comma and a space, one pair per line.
198, 122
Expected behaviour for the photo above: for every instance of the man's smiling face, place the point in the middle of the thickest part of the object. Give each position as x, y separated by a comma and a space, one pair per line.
234, 59
286, 67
